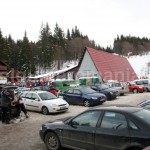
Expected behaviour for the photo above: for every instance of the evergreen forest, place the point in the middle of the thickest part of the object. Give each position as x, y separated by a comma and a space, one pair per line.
55, 48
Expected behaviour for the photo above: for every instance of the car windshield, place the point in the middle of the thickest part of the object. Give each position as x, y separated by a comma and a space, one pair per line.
87, 90
47, 96
103, 86
143, 114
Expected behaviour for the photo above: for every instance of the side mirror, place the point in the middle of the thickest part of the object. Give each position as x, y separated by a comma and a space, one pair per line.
37, 99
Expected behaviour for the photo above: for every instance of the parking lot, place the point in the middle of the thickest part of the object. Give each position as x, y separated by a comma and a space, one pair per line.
25, 135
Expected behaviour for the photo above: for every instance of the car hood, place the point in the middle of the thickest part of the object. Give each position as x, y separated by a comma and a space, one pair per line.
57, 101
57, 123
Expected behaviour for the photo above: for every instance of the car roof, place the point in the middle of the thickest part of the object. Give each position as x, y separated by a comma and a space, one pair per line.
119, 108
36, 91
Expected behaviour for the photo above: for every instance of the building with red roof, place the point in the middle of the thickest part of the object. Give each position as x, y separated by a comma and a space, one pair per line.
105, 66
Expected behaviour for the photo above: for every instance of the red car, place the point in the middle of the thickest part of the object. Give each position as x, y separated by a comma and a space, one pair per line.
136, 88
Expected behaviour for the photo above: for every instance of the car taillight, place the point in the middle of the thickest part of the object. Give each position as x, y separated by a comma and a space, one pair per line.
122, 88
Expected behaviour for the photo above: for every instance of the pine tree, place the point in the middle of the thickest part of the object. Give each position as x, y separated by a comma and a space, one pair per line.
60, 45
45, 47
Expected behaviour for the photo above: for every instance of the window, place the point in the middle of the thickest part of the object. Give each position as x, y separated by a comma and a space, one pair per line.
88, 119
132, 126
143, 115
23, 95
145, 81
113, 120
34, 96
70, 91
77, 92
28, 95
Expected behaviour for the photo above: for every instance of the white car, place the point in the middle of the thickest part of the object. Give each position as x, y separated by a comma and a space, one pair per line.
44, 102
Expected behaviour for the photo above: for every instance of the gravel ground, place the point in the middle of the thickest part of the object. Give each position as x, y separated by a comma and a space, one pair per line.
25, 135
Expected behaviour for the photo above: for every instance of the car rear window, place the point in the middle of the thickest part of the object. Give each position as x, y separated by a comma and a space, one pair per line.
143, 114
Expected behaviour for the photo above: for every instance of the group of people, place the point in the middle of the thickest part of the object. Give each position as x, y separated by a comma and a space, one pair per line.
10, 101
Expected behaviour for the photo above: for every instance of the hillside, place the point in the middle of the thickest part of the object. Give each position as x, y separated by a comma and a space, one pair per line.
141, 65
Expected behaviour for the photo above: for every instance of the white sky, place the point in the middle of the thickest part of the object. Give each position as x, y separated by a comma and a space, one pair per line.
101, 20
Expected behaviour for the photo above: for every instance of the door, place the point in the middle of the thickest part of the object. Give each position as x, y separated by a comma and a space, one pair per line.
27, 100
80, 131
112, 133
36, 102
77, 97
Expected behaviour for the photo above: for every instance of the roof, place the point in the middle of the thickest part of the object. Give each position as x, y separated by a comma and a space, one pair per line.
119, 108
111, 66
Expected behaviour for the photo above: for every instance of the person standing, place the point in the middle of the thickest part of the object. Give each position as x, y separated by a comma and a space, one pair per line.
6, 99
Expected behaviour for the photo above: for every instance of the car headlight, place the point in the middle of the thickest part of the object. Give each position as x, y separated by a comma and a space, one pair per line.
111, 93
94, 97
53, 105
140, 87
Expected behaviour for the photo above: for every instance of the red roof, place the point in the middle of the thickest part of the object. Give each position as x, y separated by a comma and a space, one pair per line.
112, 67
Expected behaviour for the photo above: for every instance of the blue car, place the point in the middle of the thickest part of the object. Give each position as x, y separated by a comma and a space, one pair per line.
83, 96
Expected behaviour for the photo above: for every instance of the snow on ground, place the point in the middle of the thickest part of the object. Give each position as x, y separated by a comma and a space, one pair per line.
140, 65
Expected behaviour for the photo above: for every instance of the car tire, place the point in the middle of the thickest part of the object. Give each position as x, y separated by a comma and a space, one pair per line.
45, 110
135, 91
86, 103
146, 90
52, 141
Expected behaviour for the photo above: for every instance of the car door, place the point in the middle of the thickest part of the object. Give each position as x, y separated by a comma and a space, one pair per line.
80, 131
112, 133
77, 97
68, 95
36, 102
27, 100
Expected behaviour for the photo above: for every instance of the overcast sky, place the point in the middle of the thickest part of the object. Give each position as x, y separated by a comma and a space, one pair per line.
101, 20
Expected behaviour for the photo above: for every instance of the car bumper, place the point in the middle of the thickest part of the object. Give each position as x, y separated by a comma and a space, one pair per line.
41, 133
58, 109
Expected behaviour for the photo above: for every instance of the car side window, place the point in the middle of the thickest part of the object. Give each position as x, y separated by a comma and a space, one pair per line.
77, 92
23, 95
70, 91
132, 126
146, 106
114, 120
29, 95
88, 119
35, 97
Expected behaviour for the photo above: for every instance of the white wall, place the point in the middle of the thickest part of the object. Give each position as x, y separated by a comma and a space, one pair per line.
87, 68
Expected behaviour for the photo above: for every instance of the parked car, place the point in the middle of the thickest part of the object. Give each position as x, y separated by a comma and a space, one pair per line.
89, 80
145, 104
44, 102
144, 82
8, 87
135, 88
64, 84
100, 128
83, 96
121, 87
105, 89
13, 109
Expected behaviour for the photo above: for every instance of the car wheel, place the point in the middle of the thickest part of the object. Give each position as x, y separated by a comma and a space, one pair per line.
86, 103
135, 91
45, 110
52, 141
146, 90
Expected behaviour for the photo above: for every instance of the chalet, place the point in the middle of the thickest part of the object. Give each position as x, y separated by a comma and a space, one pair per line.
105, 66
13, 75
